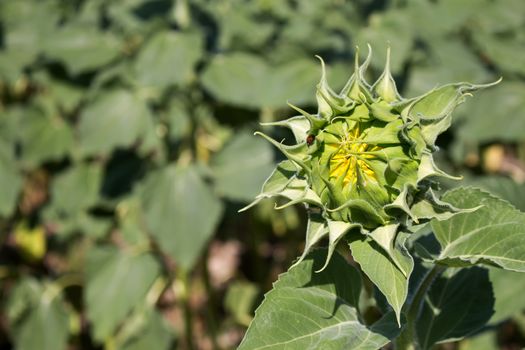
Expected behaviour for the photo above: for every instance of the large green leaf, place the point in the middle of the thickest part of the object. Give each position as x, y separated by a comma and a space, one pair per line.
46, 327
241, 167
307, 310
240, 299
38, 316
116, 282
116, 118
44, 138
482, 341
76, 189
247, 80
496, 115
168, 59
502, 51
81, 47
508, 290
181, 211
502, 187
24, 28
450, 60
457, 304
151, 332
389, 269
494, 234
73, 193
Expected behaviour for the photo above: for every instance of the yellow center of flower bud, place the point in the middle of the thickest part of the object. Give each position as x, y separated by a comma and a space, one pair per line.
349, 159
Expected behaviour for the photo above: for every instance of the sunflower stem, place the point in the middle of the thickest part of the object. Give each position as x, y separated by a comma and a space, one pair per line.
407, 340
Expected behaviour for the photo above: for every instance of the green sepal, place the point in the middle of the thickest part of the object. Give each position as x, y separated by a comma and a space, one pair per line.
411, 134
281, 176
362, 212
383, 111
315, 123
316, 230
360, 113
402, 203
382, 270
385, 236
428, 206
357, 89
428, 169
379, 133
440, 102
299, 125
336, 231
385, 86
299, 195
401, 172
329, 102
295, 153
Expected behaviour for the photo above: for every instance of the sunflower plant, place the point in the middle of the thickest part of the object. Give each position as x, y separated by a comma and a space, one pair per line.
363, 166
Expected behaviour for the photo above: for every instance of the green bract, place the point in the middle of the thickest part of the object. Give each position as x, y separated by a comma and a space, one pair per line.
364, 162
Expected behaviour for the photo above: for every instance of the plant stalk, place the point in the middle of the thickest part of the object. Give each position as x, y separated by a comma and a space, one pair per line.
407, 340
184, 295
212, 319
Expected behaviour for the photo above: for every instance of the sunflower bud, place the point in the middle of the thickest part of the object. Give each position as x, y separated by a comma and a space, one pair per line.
363, 163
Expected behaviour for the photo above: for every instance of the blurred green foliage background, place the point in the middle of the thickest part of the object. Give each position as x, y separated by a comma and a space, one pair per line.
126, 150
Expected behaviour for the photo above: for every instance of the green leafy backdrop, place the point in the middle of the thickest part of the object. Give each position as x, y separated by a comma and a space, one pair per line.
126, 150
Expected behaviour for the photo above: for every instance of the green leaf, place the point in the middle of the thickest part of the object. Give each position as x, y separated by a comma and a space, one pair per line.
246, 80
116, 118
486, 120
181, 211
46, 327
240, 299
450, 60
493, 234
377, 263
152, 332
24, 295
438, 103
502, 187
241, 167
501, 51
76, 189
307, 310
116, 282
168, 58
508, 289
81, 48
39, 319
44, 138
24, 30
10, 180
483, 341
179, 121
457, 304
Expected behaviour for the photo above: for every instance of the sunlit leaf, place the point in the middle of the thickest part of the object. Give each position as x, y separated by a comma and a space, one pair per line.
241, 167
114, 119
116, 282
493, 234
168, 59
181, 211
308, 310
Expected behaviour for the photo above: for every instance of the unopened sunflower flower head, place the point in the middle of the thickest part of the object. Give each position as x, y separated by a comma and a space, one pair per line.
363, 164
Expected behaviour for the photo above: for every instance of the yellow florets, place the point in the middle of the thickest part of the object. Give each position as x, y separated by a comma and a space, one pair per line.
349, 158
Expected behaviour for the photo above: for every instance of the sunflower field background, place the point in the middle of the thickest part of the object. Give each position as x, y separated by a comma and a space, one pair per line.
127, 148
